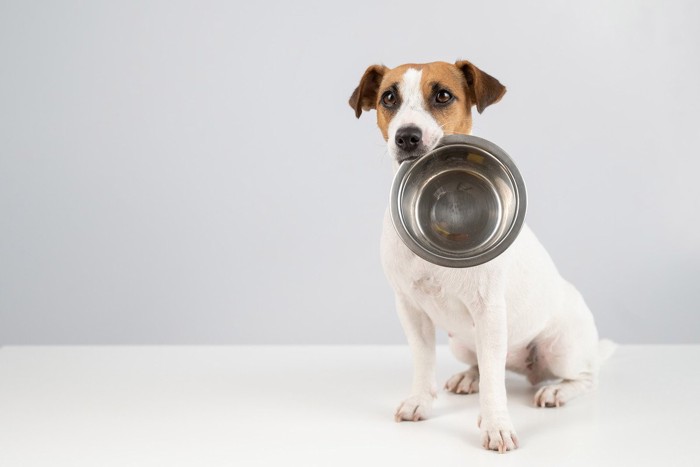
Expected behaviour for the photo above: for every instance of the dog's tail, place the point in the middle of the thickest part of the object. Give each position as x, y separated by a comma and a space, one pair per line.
606, 348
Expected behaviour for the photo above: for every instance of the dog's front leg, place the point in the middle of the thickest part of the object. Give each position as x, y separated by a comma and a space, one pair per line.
491, 339
420, 332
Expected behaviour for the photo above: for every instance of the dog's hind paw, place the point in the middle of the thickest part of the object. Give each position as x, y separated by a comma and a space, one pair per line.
466, 382
555, 395
414, 408
549, 396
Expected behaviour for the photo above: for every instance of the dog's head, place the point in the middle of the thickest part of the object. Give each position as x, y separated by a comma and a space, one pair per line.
417, 104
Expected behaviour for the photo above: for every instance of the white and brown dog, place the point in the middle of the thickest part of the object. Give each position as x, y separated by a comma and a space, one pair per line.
515, 312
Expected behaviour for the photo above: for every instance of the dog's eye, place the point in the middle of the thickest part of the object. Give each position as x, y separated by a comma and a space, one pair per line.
388, 99
443, 97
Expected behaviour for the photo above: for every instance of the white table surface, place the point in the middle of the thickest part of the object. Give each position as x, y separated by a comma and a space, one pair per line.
324, 406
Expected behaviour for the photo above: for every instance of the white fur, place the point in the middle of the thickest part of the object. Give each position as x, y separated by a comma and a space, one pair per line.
514, 312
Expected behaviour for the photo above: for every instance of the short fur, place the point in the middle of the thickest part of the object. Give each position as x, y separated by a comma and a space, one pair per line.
515, 312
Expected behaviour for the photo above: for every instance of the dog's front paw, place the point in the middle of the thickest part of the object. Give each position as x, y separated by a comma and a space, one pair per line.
414, 408
497, 433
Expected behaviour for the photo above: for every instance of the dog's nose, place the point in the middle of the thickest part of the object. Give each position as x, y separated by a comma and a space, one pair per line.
408, 138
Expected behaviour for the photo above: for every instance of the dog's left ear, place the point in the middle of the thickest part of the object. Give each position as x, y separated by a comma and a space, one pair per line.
483, 88
365, 95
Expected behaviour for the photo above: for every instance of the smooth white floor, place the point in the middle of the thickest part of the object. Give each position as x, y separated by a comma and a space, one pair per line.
323, 406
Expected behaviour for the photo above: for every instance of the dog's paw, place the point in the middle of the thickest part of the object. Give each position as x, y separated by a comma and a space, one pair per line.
414, 408
550, 396
497, 434
466, 382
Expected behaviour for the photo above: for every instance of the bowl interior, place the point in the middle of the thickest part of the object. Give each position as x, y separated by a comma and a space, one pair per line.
459, 204
457, 211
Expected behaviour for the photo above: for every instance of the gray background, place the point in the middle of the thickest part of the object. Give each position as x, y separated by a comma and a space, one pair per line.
190, 172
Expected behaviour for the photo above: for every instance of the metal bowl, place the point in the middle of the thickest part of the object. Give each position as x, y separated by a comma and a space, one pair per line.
461, 204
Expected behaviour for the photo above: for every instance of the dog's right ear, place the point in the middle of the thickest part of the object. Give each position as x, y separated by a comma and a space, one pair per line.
365, 95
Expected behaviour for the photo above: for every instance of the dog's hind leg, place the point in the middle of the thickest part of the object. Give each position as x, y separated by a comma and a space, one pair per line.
570, 353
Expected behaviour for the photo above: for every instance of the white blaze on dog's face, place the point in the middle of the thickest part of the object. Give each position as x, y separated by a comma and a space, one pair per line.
410, 121
417, 104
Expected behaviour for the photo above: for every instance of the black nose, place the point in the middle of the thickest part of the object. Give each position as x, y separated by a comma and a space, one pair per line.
408, 138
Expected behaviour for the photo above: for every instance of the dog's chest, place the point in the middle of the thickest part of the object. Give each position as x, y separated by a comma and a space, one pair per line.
440, 292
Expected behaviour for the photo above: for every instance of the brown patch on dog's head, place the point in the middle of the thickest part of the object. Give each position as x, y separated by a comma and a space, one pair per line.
456, 116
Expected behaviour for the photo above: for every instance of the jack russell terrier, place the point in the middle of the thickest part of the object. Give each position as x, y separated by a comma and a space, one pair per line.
514, 312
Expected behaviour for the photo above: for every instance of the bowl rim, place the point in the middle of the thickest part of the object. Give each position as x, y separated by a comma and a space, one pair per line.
480, 145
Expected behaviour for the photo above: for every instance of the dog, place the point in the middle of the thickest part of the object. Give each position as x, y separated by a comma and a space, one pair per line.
514, 312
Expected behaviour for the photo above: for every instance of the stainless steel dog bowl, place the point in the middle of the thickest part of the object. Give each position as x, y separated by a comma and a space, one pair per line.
460, 205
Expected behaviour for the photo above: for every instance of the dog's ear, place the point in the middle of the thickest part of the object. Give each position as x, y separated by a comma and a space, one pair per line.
365, 95
483, 88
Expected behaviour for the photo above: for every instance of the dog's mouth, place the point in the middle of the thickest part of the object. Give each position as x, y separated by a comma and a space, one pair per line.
403, 156
406, 158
